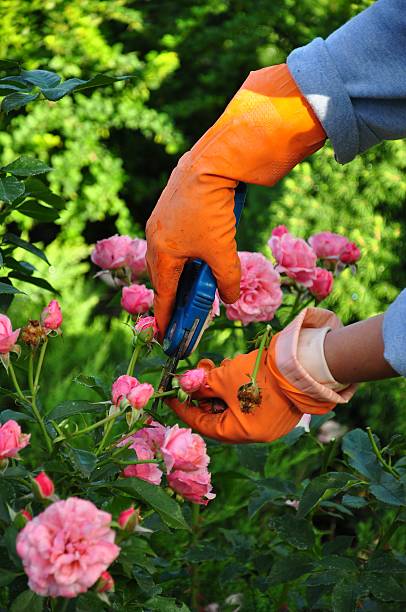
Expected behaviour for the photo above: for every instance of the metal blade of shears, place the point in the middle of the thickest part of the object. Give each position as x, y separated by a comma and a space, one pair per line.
170, 369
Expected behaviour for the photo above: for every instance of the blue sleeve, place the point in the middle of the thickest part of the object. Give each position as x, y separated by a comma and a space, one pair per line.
394, 334
355, 80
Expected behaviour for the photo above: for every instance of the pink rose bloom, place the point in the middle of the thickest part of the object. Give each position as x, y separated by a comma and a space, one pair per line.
111, 253
184, 450
215, 309
350, 254
51, 316
193, 380
66, 548
11, 439
137, 299
8, 337
194, 486
146, 471
140, 395
136, 258
44, 487
146, 328
327, 245
122, 387
279, 230
294, 257
153, 436
322, 284
260, 289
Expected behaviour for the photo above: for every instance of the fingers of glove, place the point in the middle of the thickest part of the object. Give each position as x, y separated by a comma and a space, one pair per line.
225, 265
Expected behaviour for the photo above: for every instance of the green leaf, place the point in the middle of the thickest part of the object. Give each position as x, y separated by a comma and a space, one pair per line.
297, 532
389, 490
17, 100
7, 65
164, 604
33, 280
10, 238
26, 166
357, 447
72, 407
337, 563
267, 491
10, 189
34, 210
385, 587
345, 595
73, 85
253, 456
153, 495
5, 288
385, 562
354, 501
101, 80
21, 266
95, 383
6, 577
9, 541
35, 187
332, 482
6, 90
82, 460
322, 578
338, 545
41, 78
6, 415
293, 436
27, 601
291, 567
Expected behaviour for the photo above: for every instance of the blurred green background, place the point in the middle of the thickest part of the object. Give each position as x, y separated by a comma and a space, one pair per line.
112, 151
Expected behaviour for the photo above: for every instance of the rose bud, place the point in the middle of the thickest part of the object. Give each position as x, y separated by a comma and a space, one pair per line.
105, 584
22, 518
350, 254
193, 380
146, 329
43, 486
51, 316
129, 519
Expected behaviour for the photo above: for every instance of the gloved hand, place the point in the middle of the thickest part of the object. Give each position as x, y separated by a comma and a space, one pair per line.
267, 128
288, 391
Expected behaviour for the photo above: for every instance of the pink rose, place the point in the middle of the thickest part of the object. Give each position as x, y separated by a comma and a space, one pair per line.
51, 316
129, 519
322, 284
111, 253
184, 450
153, 436
194, 486
350, 254
146, 328
279, 230
146, 471
11, 439
193, 380
260, 289
8, 337
294, 257
140, 395
66, 548
215, 309
137, 299
327, 245
122, 387
136, 258
43, 486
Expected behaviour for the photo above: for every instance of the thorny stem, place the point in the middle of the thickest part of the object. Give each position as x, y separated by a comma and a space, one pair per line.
34, 406
259, 354
15, 381
379, 455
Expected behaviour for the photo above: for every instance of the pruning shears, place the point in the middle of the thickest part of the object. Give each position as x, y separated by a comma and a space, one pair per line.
193, 305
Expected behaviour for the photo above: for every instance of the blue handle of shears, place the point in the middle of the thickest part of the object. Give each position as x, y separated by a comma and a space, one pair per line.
195, 295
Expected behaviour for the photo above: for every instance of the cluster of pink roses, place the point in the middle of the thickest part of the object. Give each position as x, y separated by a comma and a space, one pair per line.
184, 455
122, 260
129, 388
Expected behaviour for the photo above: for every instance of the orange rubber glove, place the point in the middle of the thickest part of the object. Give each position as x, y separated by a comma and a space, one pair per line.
288, 391
267, 128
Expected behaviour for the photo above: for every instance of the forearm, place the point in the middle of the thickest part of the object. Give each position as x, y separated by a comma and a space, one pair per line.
355, 353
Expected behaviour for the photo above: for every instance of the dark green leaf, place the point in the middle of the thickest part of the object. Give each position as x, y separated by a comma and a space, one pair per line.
16, 80
10, 189
5, 415
9, 540
153, 495
26, 166
41, 78
338, 545
335, 562
164, 604
5, 288
21, 266
357, 447
298, 532
252, 456
389, 490
8, 65
100, 80
33, 280
322, 578
385, 562
72, 407
333, 482
95, 383
10, 238
6, 577
82, 460
27, 601
145, 582
34, 210
267, 491
291, 567
6, 90
35, 187
73, 85
385, 587
17, 100
293, 436
354, 501
345, 595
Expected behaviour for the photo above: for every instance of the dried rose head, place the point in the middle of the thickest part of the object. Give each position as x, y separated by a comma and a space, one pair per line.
249, 396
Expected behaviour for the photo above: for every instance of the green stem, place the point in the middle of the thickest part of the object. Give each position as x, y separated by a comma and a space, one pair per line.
34, 406
379, 455
106, 434
165, 393
386, 535
195, 578
15, 381
91, 427
140, 462
31, 371
259, 354
133, 359
40, 363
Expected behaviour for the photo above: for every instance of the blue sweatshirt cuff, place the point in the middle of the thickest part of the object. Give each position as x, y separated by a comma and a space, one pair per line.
394, 334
